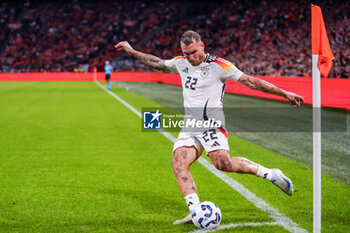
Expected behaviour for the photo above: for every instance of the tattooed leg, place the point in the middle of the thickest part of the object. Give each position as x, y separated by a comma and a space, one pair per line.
222, 161
183, 158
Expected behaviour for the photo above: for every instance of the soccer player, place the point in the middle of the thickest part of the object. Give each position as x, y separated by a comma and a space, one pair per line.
203, 80
108, 71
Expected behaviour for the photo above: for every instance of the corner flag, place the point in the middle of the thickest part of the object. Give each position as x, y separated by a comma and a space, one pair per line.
321, 63
320, 43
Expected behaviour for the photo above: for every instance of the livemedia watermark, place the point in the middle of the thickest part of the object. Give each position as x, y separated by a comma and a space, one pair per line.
252, 119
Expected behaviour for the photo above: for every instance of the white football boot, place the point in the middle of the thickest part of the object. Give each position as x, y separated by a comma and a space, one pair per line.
281, 181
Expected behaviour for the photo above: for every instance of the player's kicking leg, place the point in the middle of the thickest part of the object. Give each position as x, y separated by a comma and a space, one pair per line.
222, 161
183, 158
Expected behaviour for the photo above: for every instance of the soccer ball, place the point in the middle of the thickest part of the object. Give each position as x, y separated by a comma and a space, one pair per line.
206, 215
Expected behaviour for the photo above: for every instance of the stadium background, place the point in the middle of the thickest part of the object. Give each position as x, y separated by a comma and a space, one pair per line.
261, 37
57, 138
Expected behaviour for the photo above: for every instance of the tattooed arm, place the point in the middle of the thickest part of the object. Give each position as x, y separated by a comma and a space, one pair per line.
262, 85
150, 60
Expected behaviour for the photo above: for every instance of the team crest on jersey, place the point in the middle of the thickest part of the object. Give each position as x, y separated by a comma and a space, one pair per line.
205, 72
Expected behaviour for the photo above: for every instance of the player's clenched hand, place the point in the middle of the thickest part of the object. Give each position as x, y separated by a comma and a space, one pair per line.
294, 99
124, 45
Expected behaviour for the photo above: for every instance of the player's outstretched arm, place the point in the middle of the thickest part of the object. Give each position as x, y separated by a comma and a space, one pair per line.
150, 60
262, 85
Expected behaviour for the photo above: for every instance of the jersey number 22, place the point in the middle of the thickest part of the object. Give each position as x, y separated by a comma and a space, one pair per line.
191, 83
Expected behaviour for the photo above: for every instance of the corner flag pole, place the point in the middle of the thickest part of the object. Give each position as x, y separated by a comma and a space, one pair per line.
316, 87
321, 64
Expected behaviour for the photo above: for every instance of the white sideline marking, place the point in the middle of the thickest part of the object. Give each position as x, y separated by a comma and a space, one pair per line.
280, 218
120, 100
232, 225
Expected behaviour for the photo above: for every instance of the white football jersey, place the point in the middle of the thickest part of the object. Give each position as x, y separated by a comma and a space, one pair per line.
204, 85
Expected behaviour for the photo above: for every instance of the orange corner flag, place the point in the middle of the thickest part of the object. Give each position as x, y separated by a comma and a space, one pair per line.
320, 43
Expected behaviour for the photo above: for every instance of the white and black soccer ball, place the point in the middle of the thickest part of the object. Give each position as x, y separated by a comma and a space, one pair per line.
206, 215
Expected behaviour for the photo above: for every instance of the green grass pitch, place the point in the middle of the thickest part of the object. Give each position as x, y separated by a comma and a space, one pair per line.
73, 159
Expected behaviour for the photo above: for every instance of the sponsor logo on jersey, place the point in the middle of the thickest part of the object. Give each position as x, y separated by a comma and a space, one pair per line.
151, 120
184, 69
215, 144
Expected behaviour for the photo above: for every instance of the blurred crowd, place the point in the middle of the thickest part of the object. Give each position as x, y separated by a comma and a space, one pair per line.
261, 37
8, 15
76, 34
265, 37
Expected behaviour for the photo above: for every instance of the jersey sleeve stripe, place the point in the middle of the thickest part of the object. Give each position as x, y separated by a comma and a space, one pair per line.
224, 65
178, 57
223, 131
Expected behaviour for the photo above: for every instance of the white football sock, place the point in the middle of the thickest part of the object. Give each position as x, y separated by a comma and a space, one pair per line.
192, 200
264, 172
